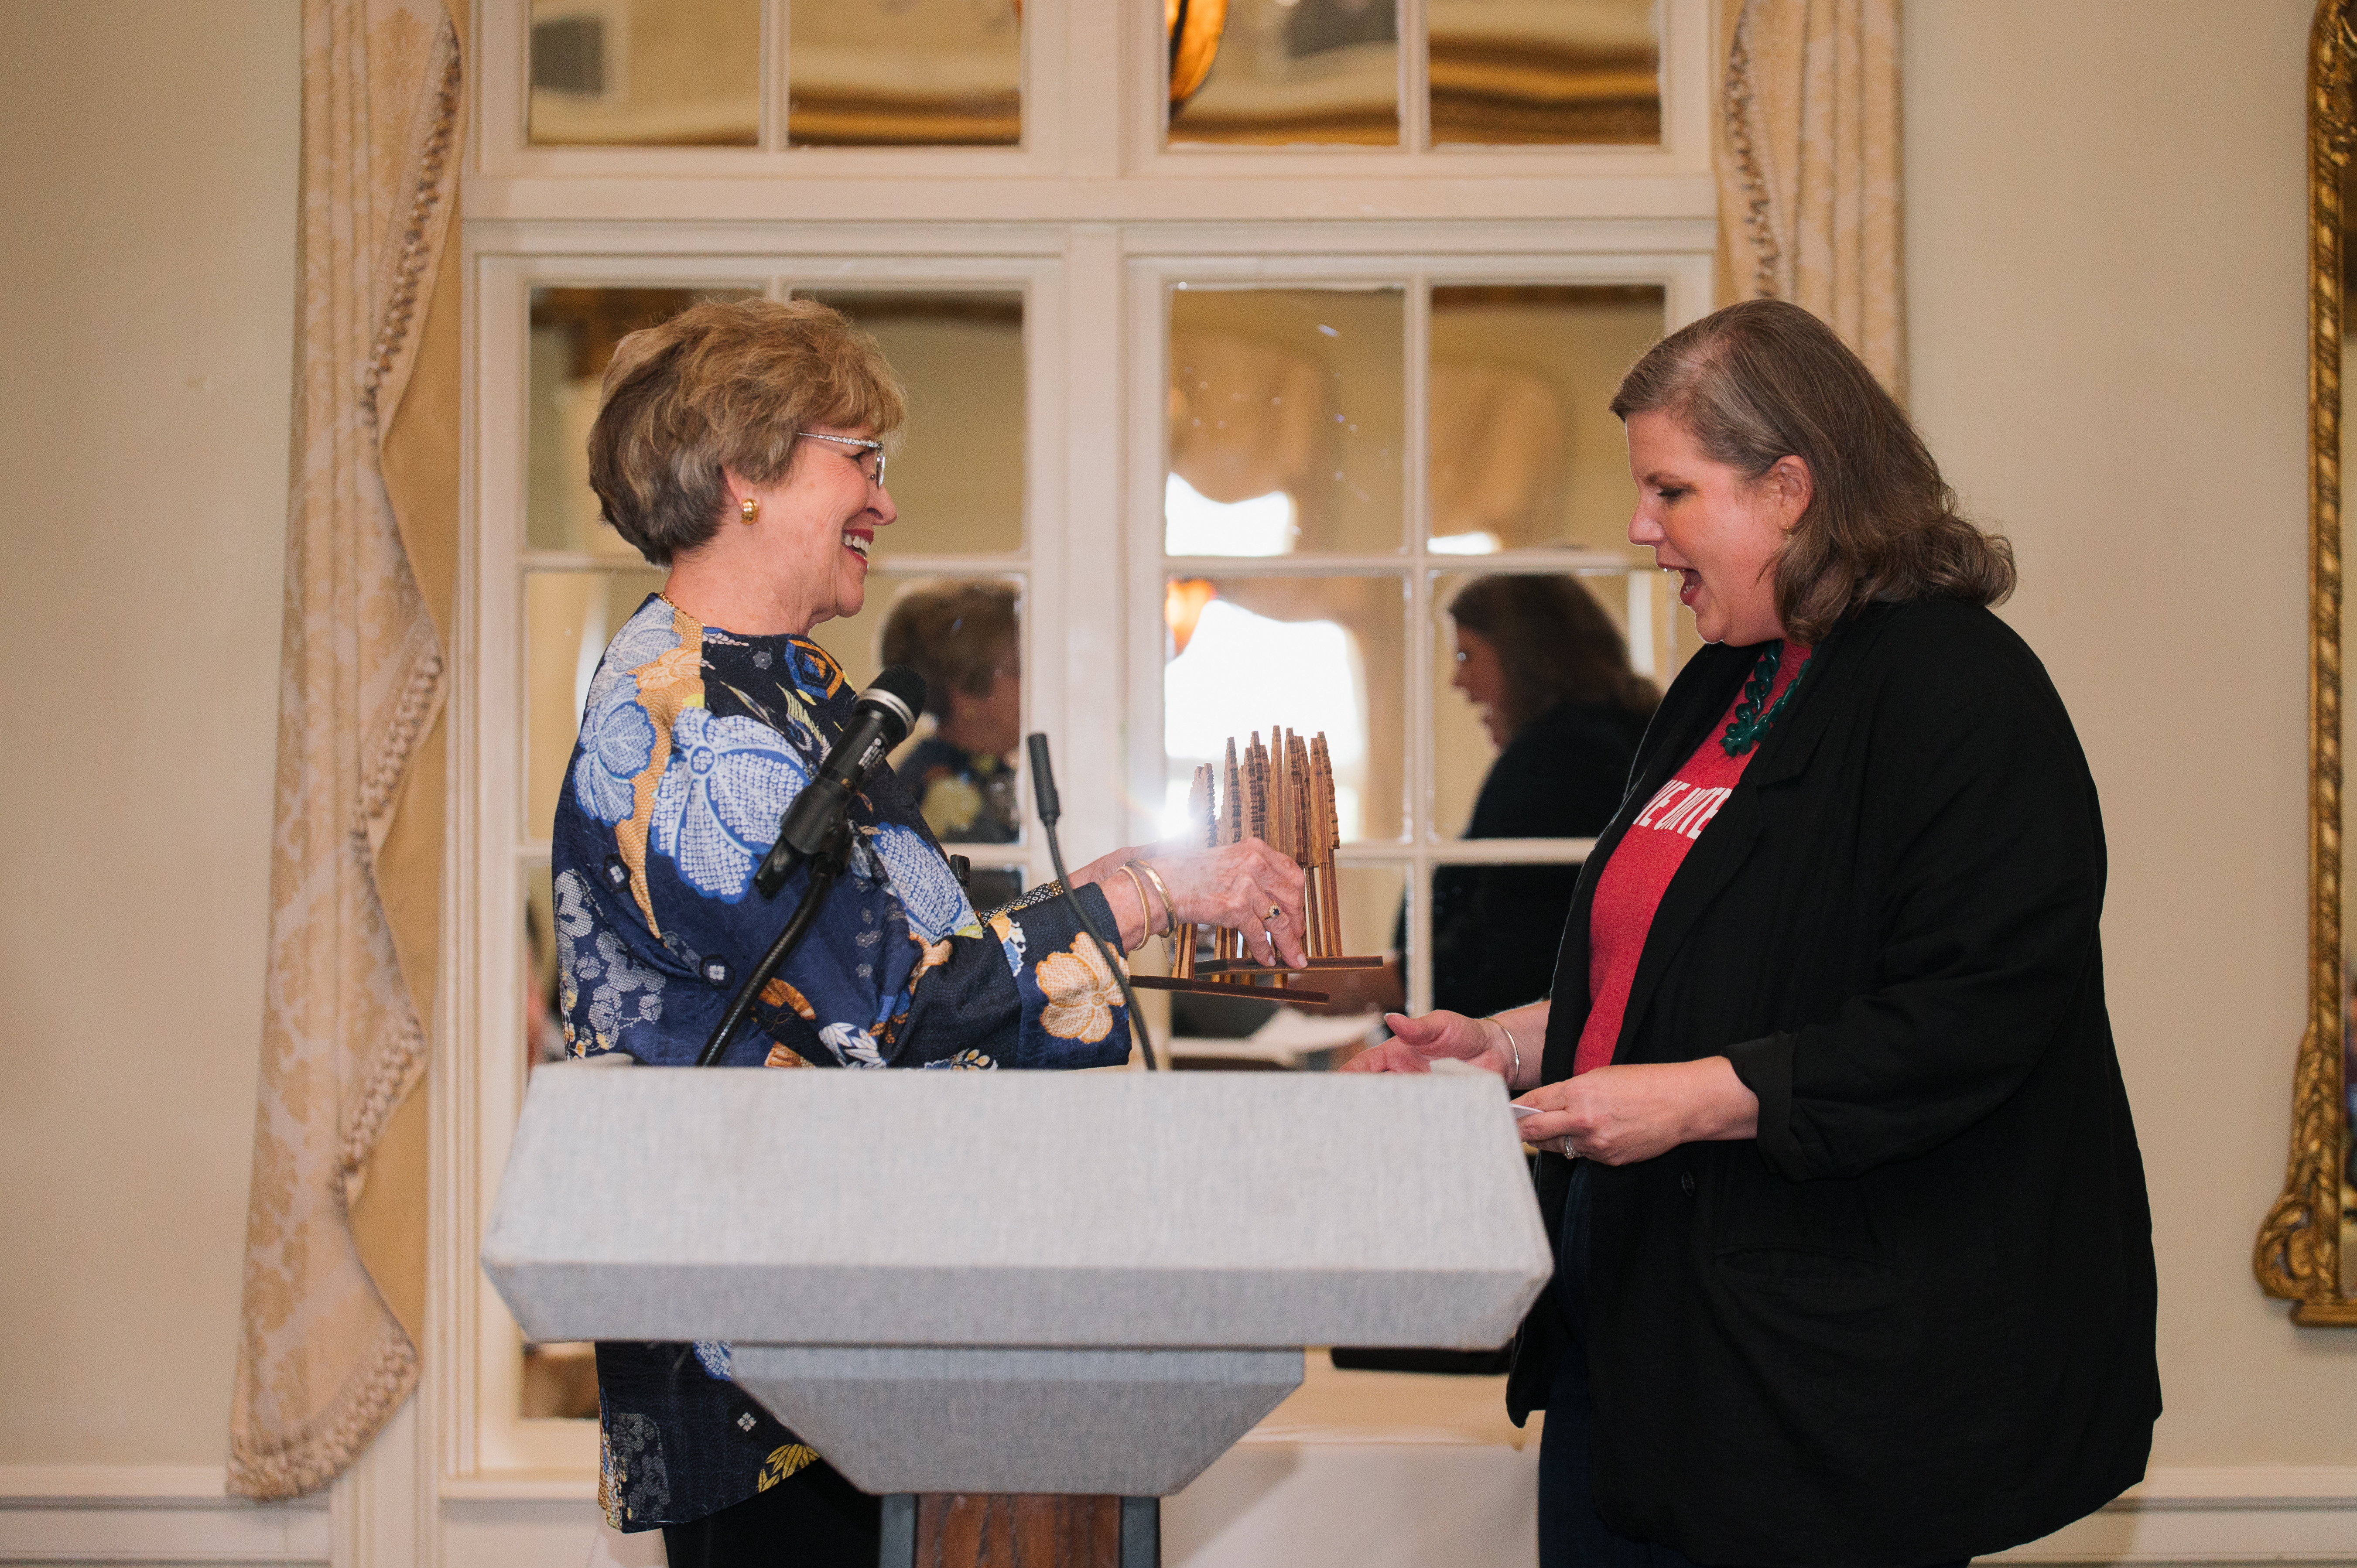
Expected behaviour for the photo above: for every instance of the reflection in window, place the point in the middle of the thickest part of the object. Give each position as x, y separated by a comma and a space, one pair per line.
1297, 393
1194, 524
867, 73
1496, 931
1290, 70
573, 332
965, 636
646, 72
1309, 654
1544, 71
957, 477
1639, 607
1524, 449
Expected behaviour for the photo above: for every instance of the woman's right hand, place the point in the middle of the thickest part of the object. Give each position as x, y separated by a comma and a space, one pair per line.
1417, 1043
1246, 887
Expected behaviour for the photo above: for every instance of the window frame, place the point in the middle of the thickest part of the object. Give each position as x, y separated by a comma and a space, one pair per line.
1089, 228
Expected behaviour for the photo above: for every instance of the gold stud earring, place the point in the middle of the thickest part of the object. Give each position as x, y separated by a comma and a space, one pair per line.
751, 509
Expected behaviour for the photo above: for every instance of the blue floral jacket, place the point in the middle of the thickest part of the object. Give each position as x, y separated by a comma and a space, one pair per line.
693, 742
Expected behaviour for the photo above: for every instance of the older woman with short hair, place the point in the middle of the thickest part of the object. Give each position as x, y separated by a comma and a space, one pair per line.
1854, 1259
742, 445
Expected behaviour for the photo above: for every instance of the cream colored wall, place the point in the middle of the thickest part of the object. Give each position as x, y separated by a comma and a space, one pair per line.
2104, 240
2106, 272
147, 172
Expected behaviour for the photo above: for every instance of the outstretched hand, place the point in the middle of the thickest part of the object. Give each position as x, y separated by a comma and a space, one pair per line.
1417, 1043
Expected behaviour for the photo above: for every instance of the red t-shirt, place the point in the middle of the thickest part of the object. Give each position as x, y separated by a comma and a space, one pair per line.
1644, 863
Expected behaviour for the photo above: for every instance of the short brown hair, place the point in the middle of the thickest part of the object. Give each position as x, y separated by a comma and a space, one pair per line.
954, 634
724, 384
1765, 379
1555, 644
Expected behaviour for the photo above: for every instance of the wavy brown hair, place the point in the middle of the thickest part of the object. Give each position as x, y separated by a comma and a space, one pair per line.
1554, 644
954, 635
724, 384
1765, 379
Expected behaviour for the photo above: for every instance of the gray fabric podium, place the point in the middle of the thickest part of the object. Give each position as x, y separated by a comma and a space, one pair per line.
1027, 1282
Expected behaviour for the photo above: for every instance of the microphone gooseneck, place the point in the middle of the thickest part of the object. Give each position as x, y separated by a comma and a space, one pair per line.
1051, 807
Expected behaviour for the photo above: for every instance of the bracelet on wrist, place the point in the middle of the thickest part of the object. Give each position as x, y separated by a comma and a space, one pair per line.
1514, 1075
1145, 905
1162, 890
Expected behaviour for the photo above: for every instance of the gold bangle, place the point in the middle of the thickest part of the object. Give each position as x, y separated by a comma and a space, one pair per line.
1145, 905
1169, 910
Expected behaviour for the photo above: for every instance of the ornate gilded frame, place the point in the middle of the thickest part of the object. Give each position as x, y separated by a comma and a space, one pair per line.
2298, 1256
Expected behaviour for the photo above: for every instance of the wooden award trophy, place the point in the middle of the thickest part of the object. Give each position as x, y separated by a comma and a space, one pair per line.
1283, 794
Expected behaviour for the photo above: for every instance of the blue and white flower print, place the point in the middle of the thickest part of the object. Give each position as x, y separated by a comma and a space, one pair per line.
928, 890
728, 781
618, 738
852, 1046
715, 1357
646, 637
624, 990
617, 741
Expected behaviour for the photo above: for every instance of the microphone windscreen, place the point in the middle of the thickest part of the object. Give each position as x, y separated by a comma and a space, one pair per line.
906, 686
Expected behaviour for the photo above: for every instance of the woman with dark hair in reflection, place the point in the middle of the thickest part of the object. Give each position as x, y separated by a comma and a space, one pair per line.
1548, 673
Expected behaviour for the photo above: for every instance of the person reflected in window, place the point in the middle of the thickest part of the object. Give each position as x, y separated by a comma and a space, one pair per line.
1548, 673
963, 638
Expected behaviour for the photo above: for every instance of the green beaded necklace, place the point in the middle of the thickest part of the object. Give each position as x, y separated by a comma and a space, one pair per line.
1749, 724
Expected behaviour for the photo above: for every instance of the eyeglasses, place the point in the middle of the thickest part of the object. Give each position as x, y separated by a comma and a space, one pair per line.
876, 479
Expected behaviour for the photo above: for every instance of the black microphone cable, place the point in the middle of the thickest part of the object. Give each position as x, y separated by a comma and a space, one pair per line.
1043, 794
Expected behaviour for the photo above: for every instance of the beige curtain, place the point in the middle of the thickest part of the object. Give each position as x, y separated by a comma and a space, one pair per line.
336, 1224
1809, 167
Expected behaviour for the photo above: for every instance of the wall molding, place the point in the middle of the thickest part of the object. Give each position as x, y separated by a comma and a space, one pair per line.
151, 1514
2215, 1514
179, 1514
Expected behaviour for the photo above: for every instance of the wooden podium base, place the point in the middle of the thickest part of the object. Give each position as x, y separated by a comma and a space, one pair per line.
996, 1529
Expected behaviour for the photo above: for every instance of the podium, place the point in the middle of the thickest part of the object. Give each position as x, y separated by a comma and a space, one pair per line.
953, 1283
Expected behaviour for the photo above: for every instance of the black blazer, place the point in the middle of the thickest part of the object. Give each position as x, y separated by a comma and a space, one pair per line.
1914, 1319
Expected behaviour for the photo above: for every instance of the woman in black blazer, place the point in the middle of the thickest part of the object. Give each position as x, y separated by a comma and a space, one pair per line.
1854, 1264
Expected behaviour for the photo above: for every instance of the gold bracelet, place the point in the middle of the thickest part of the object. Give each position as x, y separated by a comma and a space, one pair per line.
1145, 905
1170, 910
1515, 1076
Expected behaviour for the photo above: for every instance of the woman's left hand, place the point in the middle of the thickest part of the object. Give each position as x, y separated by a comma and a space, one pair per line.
1618, 1116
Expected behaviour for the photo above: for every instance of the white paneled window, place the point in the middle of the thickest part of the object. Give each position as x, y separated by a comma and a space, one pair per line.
1235, 353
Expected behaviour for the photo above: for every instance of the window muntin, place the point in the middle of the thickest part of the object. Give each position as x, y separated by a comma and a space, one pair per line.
1088, 204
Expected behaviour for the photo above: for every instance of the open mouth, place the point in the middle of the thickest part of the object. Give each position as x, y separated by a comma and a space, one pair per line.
858, 543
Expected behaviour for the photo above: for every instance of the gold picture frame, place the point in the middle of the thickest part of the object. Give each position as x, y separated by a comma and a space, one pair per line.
2298, 1256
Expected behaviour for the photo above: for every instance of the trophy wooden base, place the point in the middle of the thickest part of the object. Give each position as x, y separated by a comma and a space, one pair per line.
1238, 990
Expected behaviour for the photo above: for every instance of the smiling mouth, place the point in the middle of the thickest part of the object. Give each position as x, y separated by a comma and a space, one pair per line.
858, 543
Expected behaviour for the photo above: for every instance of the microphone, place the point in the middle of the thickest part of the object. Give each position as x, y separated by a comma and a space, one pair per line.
880, 719
1051, 806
